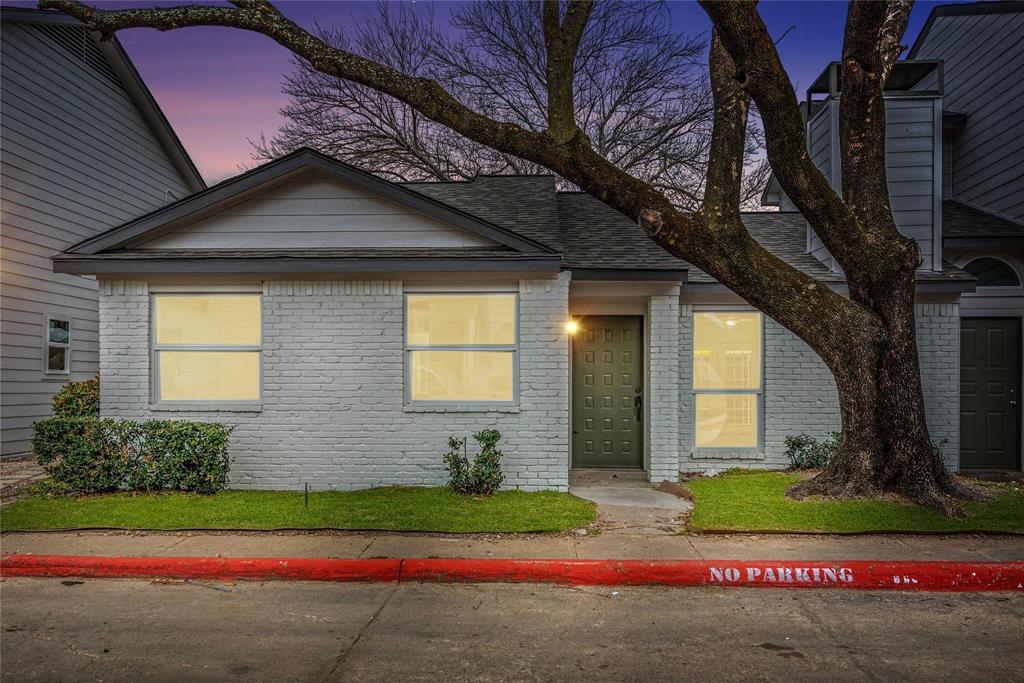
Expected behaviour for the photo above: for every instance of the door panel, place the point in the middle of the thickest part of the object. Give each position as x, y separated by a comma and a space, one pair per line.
989, 393
607, 392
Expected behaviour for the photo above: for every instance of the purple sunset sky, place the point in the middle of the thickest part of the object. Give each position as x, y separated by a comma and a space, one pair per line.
221, 87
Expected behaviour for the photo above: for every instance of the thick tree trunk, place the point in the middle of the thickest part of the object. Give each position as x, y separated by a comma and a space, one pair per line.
886, 447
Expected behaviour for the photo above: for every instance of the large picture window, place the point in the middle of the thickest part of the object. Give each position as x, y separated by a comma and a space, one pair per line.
727, 360
206, 347
461, 347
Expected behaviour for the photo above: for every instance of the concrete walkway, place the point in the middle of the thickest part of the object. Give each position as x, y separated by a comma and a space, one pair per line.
16, 474
549, 546
628, 505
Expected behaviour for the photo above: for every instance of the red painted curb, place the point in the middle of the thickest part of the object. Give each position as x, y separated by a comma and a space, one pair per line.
222, 568
852, 574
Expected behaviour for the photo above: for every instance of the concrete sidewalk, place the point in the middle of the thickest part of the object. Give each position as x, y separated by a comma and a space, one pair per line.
959, 548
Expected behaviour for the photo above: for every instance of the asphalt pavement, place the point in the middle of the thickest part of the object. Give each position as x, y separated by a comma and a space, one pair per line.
129, 630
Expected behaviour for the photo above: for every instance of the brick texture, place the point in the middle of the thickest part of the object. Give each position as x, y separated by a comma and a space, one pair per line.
663, 388
800, 394
332, 412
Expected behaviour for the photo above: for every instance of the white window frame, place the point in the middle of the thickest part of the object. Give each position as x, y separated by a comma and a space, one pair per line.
47, 344
759, 392
410, 348
155, 348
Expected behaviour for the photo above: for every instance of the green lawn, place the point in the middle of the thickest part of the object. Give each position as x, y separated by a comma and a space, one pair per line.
755, 501
393, 509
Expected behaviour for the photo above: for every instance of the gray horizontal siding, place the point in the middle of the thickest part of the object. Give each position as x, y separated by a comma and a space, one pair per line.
984, 58
821, 143
910, 167
315, 211
78, 159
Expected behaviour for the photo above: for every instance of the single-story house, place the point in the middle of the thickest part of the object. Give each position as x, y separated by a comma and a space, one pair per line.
347, 326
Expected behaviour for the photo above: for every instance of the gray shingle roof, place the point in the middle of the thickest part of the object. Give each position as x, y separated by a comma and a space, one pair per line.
597, 236
522, 204
960, 220
785, 235
582, 231
592, 235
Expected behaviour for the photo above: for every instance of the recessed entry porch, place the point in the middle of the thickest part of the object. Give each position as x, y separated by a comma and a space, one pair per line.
624, 369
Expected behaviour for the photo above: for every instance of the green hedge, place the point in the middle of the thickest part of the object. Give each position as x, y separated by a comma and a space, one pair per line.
78, 399
101, 455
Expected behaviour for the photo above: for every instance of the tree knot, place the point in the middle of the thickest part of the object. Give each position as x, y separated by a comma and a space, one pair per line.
650, 222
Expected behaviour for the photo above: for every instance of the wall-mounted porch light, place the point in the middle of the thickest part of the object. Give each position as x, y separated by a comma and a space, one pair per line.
572, 327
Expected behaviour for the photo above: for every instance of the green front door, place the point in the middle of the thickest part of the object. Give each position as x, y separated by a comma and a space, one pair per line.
990, 393
607, 392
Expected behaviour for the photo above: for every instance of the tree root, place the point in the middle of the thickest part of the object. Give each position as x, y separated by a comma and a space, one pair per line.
937, 490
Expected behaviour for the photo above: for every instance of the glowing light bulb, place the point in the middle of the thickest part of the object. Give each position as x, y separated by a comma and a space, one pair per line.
572, 327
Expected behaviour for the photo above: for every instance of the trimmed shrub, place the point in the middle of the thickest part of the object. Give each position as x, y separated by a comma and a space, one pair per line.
101, 455
78, 399
807, 453
483, 476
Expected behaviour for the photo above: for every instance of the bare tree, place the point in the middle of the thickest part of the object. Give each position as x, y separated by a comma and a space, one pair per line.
641, 94
867, 340
375, 131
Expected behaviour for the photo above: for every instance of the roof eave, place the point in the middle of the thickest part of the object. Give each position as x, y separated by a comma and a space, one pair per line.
627, 274
951, 286
984, 242
100, 265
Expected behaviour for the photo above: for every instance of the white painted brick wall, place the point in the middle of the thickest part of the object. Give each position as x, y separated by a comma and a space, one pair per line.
332, 412
800, 394
663, 388
938, 346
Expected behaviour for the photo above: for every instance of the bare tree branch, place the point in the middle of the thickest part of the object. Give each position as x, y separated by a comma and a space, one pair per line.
641, 96
725, 164
685, 235
870, 49
562, 40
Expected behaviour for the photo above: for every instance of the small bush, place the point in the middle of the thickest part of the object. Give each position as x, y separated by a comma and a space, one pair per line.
484, 476
78, 399
99, 455
807, 453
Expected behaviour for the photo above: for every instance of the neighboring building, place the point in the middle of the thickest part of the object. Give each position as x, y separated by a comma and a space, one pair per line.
955, 152
85, 148
346, 326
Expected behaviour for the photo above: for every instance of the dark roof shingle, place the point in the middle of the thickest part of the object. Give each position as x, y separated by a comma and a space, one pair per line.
591, 235
597, 236
960, 220
522, 204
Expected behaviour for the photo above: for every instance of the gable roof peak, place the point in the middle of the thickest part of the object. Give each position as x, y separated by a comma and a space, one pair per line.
266, 175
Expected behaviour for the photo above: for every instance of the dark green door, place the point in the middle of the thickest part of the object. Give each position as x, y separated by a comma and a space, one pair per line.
607, 392
990, 393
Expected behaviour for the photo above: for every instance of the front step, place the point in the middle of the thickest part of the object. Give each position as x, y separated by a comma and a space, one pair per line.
589, 477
